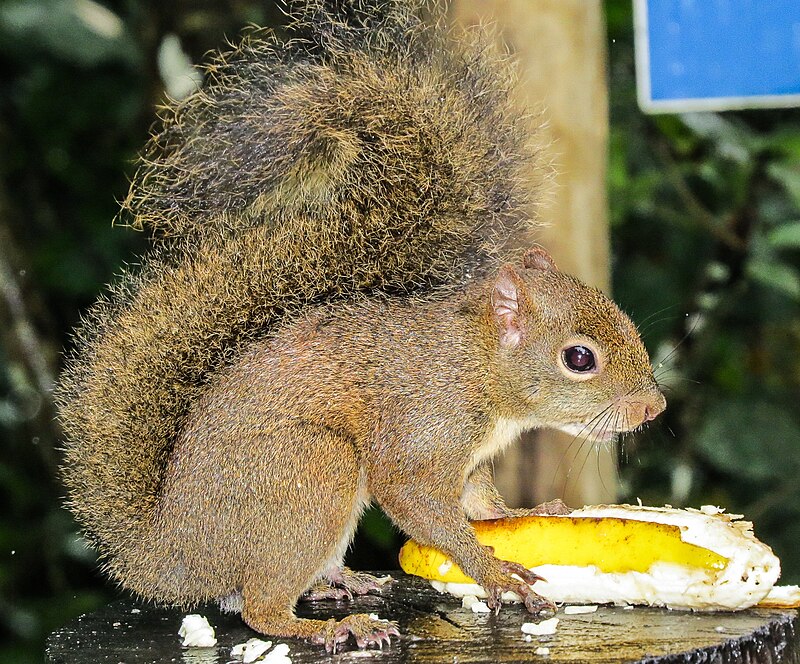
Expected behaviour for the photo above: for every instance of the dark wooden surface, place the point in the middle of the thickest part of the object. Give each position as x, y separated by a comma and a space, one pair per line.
436, 629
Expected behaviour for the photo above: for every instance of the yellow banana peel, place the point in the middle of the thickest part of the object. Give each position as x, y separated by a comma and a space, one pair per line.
624, 554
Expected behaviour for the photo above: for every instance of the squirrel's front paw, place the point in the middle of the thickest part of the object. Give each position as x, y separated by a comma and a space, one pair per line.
521, 585
366, 630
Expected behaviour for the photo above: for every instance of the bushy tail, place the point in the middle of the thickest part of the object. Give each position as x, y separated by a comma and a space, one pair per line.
370, 153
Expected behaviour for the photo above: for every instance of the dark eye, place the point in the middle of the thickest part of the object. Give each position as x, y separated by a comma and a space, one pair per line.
578, 358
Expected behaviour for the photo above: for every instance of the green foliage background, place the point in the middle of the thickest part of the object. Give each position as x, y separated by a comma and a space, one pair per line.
705, 213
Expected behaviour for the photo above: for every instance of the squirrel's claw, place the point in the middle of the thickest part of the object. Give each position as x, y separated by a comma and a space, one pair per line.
378, 637
344, 584
366, 631
519, 580
538, 605
526, 575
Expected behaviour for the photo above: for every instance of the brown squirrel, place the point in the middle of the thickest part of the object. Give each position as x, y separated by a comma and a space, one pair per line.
330, 316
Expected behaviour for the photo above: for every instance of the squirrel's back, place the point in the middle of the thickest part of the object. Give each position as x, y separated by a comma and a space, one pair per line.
373, 152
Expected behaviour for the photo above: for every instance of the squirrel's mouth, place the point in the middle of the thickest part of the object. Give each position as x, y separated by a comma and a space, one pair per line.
622, 415
591, 431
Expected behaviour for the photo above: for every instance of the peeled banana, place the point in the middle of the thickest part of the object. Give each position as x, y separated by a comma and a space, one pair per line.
624, 554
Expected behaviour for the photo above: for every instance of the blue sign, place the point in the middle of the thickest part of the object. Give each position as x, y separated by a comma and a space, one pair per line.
717, 54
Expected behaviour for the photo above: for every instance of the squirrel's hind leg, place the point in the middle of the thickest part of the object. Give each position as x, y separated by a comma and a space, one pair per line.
315, 538
262, 614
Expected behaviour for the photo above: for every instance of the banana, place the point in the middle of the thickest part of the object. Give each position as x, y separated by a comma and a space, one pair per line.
624, 554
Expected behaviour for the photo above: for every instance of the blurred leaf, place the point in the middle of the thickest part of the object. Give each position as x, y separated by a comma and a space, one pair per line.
784, 536
788, 176
775, 274
682, 140
83, 32
21, 621
729, 370
787, 235
730, 140
179, 76
784, 141
750, 439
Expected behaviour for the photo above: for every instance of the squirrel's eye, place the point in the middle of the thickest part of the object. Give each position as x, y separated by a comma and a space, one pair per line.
578, 358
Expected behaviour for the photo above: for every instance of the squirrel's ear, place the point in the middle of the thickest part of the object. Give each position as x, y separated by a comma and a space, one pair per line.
507, 295
537, 258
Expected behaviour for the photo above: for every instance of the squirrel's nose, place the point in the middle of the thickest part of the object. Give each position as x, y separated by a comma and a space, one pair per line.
646, 411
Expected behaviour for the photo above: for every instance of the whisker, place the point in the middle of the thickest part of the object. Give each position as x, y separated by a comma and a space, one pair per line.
585, 460
562, 459
598, 423
685, 379
689, 333
584, 436
652, 315
611, 447
575, 439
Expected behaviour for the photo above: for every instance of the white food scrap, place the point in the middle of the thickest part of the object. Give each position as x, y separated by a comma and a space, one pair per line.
542, 650
196, 632
782, 597
480, 607
574, 610
250, 651
472, 603
467, 601
278, 655
539, 629
255, 650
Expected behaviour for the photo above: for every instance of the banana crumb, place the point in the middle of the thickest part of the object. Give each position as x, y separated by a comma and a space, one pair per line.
196, 632
255, 650
539, 629
574, 610
474, 604
278, 655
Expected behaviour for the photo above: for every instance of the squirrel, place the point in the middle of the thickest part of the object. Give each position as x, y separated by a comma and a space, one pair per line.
332, 313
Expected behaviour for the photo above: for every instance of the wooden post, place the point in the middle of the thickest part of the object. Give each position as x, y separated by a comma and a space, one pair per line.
560, 47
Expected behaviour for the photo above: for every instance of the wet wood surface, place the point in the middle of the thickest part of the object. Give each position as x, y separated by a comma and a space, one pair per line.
435, 629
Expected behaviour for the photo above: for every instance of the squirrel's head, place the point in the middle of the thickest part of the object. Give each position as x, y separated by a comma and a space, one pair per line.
566, 356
